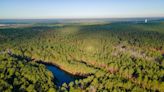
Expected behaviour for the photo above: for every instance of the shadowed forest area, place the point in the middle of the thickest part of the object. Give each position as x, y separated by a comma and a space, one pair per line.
119, 56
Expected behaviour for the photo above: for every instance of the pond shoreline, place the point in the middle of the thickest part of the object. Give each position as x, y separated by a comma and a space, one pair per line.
61, 76
9, 52
68, 72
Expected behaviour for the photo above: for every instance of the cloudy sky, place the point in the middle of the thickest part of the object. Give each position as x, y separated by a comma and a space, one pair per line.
38, 9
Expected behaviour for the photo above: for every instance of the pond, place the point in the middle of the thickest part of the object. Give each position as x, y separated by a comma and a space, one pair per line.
61, 76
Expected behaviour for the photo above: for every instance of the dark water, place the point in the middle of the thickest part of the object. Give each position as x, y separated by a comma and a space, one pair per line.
61, 76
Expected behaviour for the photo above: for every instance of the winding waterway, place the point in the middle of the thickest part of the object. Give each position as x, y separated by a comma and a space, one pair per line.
61, 76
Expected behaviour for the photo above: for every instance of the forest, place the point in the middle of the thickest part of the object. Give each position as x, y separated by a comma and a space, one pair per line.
113, 57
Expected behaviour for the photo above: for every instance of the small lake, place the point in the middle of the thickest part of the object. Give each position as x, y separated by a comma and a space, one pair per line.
61, 76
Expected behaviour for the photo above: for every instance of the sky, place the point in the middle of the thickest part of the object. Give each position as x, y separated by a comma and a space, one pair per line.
45, 9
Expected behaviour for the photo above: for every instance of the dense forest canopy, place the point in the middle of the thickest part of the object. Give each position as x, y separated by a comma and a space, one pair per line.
112, 56
21, 76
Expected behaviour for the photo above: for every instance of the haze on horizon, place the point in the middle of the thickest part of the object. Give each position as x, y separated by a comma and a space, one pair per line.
41, 9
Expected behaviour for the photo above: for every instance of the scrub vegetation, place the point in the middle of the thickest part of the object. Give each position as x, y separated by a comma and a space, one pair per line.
112, 56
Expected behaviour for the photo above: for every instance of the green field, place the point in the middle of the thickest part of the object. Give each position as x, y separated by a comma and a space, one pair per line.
113, 57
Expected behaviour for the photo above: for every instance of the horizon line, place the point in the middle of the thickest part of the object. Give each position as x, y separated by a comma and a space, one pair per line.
81, 18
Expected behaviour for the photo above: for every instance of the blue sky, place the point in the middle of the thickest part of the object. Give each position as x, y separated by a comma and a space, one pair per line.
37, 9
